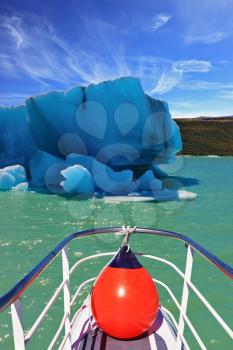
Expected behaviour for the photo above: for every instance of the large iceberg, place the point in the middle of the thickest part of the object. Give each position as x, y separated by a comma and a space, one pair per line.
114, 121
17, 144
86, 139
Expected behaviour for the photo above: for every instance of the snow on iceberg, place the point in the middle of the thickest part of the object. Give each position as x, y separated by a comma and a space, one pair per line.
78, 180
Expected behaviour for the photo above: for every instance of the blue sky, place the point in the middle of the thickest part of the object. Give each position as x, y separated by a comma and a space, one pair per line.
181, 50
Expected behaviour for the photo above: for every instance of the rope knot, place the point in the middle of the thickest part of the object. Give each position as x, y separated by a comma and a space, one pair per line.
126, 231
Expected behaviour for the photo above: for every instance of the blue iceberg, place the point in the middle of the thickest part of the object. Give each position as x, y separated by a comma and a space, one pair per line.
88, 139
114, 121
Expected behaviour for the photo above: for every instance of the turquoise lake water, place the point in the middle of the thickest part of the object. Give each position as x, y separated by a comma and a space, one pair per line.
31, 224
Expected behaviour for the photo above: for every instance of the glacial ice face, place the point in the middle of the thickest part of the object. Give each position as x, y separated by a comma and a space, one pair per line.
17, 145
78, 180
12, 176
114, 121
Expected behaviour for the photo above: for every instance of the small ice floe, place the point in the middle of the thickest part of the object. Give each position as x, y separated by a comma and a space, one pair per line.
129, 198
77, 180
173, 195
12, 176
158, 196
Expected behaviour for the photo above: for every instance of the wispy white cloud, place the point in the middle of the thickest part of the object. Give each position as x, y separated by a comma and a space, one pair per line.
172, 77
160, 20
205, 22
208, 38
39, 53
188, 66
35, 50
14, 28
227, 95
205, 85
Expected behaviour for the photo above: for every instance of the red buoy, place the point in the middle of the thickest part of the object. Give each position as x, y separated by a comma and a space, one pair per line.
124, 299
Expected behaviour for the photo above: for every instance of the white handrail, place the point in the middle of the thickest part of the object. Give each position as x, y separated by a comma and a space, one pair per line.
193, 330
90, 257
79, 288
17, 323
197, 292
66, 294
176, 325
185, 296
55, 337
44, 312
72, 301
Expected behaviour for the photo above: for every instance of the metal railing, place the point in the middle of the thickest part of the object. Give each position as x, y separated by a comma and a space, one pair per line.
12, 298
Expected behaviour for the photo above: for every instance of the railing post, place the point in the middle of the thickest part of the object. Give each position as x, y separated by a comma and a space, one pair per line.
17, 323
185, 296
66, 293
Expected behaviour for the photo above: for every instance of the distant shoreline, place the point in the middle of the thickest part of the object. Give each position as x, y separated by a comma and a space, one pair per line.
207, 135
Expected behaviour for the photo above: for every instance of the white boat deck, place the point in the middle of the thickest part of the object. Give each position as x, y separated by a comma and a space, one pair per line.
85, 334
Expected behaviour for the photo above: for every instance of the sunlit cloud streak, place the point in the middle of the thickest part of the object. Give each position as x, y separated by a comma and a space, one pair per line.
160, 20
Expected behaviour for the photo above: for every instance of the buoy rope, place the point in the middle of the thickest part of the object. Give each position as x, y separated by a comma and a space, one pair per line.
127, 231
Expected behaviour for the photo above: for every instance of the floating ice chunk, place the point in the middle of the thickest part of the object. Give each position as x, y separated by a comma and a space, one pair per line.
17, 171
21, 187
6, 181
148, 182
131, 198
11, 176
173, 195
182, 194
105, 178
45, 169
159, 196
77, 180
